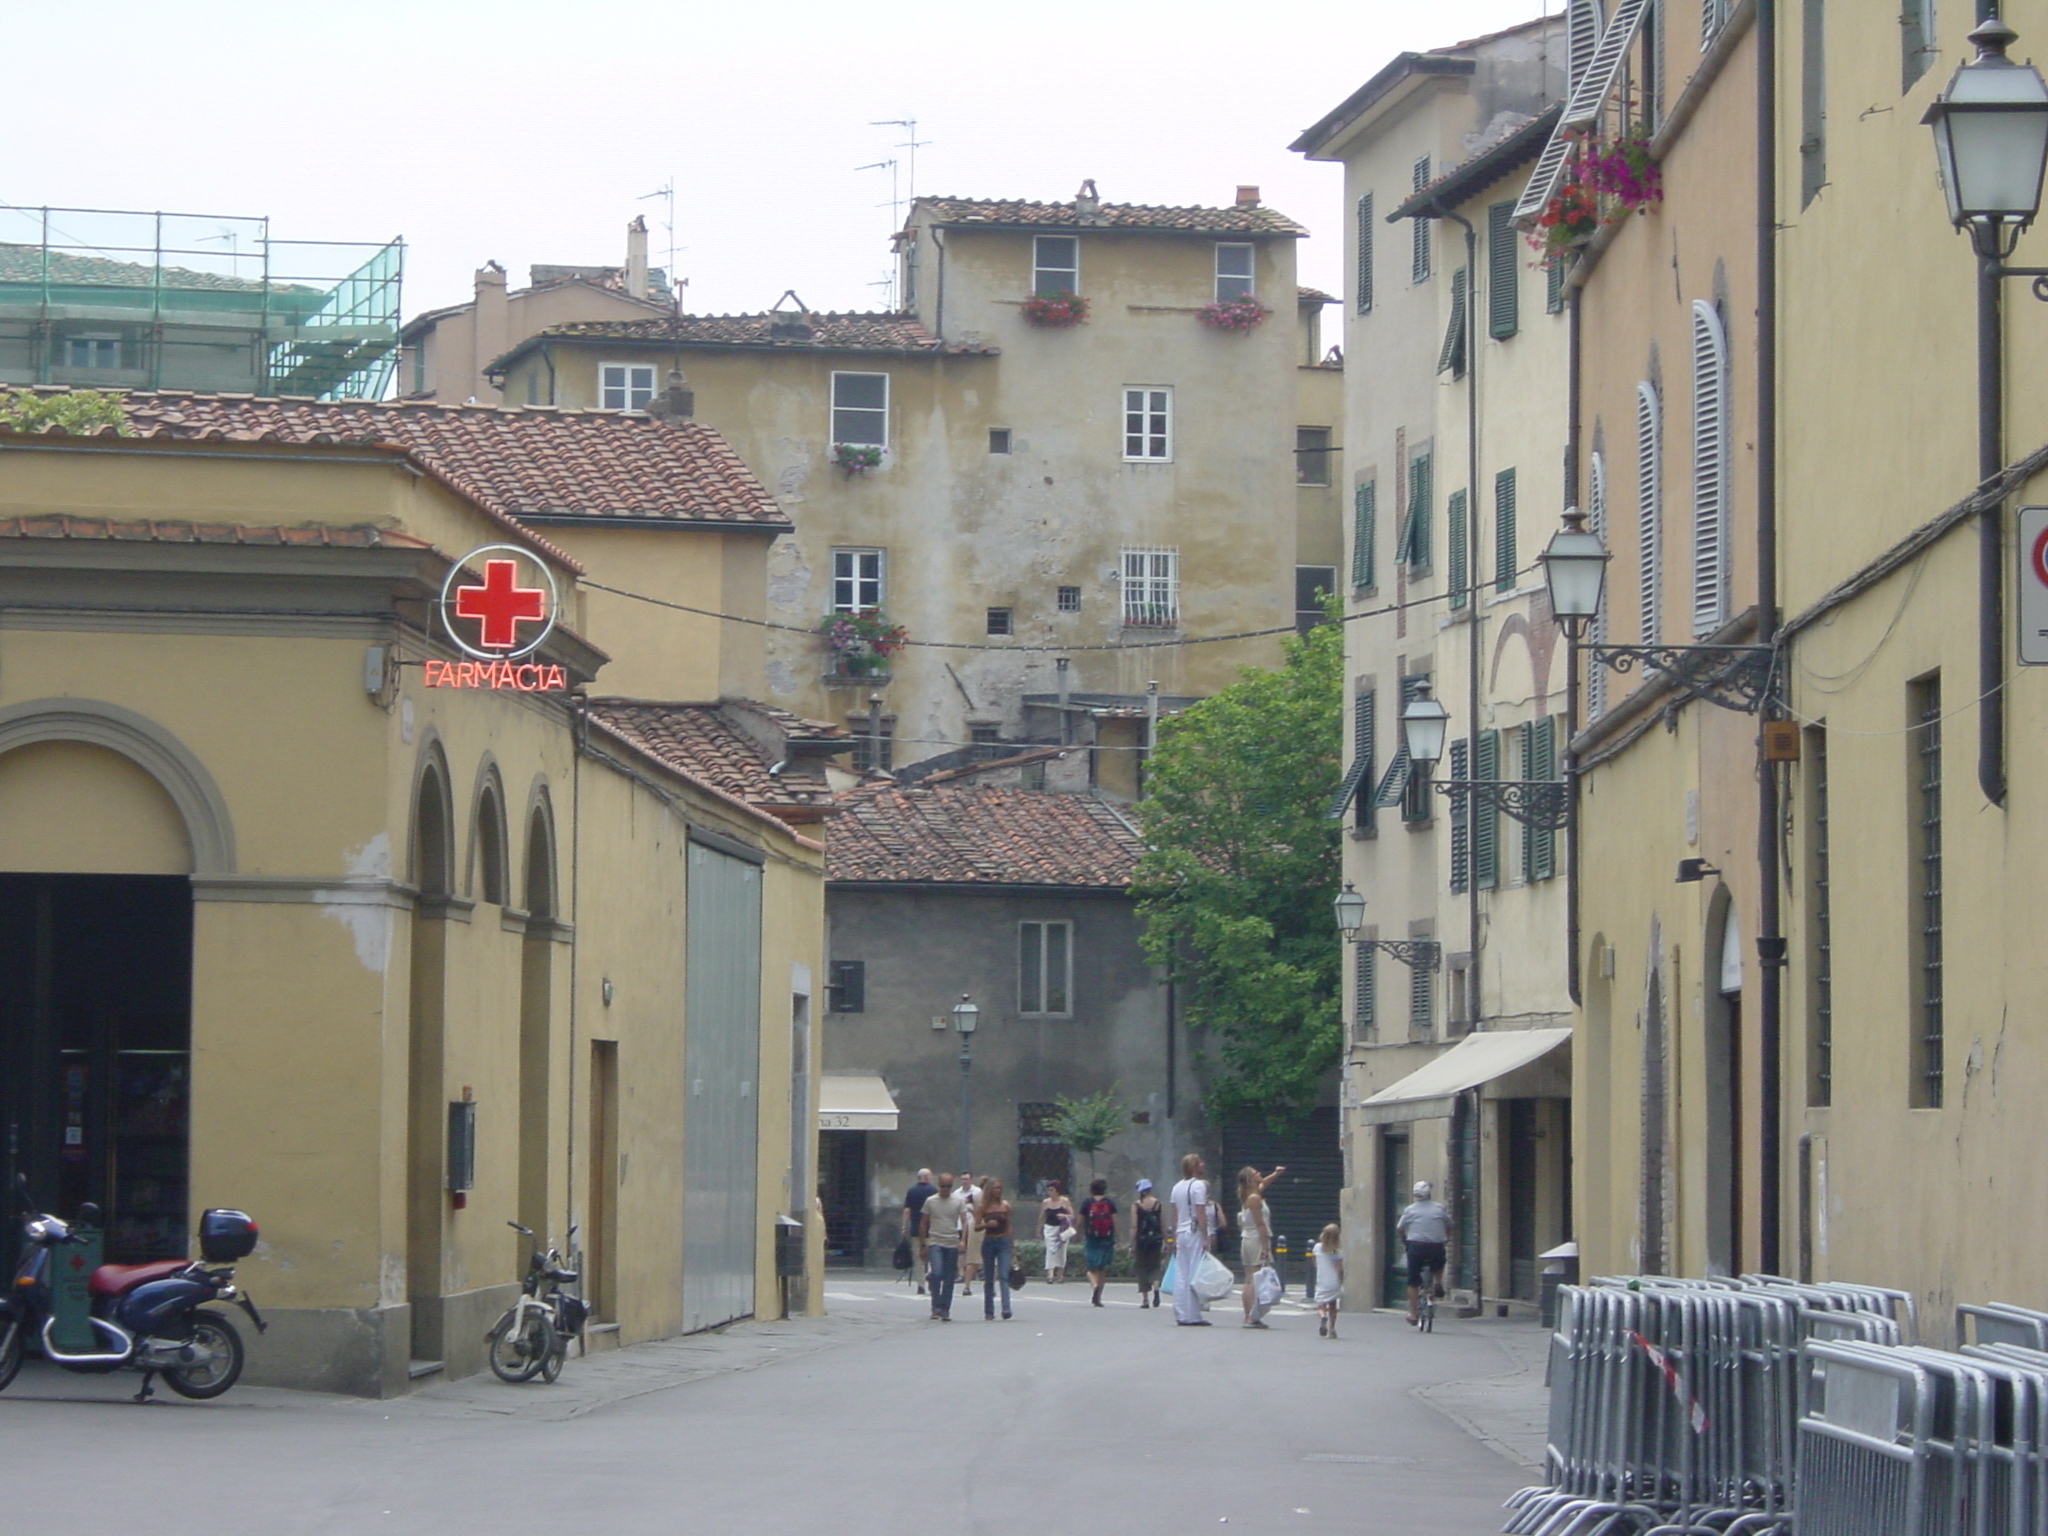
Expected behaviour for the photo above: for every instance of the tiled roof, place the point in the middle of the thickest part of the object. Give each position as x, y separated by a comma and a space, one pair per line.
697, 741
1307, 297
954, 835
1514, 140
993, 213
25, 264
156, 531
526, 462
785, 330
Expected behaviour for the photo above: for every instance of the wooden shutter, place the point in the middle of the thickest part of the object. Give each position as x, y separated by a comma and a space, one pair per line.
1505, 564
1421, 1000
1364, 514
1422, 231
1485, 819
1503, 272
1451, 357
1649, 512
1367, 1007
1365, 750
1415, 533
1596, 519
1365, 233
1539, 762
1709, 470
1582, 39
1555, 270
1461, 537
1461, 820
1588, 94
1713, 13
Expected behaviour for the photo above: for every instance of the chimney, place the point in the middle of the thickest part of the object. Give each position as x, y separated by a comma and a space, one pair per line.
491, 323
675, 403
1247, 197
636, 257
1087, 201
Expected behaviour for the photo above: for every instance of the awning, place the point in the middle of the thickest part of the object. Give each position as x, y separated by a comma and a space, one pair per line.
1431, 1091
855, 1101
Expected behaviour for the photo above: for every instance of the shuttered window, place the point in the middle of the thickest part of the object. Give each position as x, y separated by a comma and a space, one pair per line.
1485, 819
1503, 272
1415, 526
1596, 519
1709, 470
1460, 534
1582, 39
1649, 512
1421, 1002
1929, 995
1917, 39
1461, 820
1367, 1004
1364, 750
1713, 16
1555, 271
1594, 85
1365, 234
1422, 230
1364, 516
1450, 358
1505, 564
1539, 764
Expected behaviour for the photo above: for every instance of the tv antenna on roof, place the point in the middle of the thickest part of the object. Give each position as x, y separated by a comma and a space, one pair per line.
667, 192
911, 143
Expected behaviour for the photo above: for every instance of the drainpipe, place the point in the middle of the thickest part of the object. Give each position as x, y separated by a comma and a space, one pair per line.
939, 295
1573, 977
1065, 668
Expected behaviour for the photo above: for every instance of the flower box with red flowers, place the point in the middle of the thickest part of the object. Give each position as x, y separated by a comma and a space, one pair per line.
1056, 311
1239, 314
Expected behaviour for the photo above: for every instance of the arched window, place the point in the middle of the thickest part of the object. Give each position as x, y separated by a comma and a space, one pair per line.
1649, 509
432, 853
490, 845
1596, 519
540, 864
1709, 470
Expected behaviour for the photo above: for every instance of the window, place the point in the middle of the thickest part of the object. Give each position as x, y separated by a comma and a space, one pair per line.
1364, 729
1596, 519
1456, 513
1503, 272
1820, 936
860, 409
490, 848
864, 756
92, 351
1709, 470
1151, 587
1505, 564
1055, 265
984, 735
1539, 765
1069, 599
848, 987
998, 439
1461, 819
1813, 94
1364, 513
1924, 763
1311, 455
1042, 1156
1485, 819
1366, 988
1415, 529
1312, 583
625, 386
1148, 424
1045, 968
1649, 510
1365, 234
1422, 231
1450, 358
856, 580
999, 621
1233, 271
1917, 40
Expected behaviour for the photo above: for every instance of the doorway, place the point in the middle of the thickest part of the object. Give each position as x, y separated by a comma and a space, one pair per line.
1724, 1100
1396, 1168
843, 1187
96, 1052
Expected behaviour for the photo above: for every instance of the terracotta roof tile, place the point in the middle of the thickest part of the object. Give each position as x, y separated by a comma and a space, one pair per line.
697, 741
172, 532
996, 213
955, 835
787, 330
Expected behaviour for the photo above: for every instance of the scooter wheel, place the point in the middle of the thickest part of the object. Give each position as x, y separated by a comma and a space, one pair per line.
219, 1365
10, 1350
518, 1348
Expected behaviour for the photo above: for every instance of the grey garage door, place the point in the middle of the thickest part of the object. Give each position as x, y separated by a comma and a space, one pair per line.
721, 1059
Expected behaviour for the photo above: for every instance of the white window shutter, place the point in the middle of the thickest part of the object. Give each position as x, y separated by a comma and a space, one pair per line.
1590, 89
1709, 470
1582, 40
1596, 519
1649, 511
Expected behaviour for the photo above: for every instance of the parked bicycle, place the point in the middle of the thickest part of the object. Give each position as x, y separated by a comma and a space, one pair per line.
532, 1338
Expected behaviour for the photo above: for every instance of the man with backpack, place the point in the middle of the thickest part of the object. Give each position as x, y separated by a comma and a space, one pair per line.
1148, 1243
1098, 1230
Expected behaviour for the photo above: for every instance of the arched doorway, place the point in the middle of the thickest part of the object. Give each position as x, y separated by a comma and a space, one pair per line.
433, 864
1654, 1167
1723, 1045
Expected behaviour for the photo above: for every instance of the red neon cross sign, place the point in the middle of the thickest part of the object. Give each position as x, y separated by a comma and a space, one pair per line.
500, 603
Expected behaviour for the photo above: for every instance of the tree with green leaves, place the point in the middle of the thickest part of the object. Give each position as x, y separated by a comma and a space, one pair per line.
1240, 865
1087, 1124
76, 410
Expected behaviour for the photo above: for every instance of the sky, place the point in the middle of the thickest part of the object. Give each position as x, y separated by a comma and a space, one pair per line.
525, 132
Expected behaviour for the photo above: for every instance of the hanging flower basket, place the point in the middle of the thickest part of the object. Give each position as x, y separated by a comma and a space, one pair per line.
856, 458
1056, 311
1238, 315
860, 644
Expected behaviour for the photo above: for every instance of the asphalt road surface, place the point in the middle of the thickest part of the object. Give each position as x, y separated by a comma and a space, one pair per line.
873, 1421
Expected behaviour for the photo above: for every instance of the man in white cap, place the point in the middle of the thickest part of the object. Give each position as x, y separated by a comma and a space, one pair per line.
1425, 1227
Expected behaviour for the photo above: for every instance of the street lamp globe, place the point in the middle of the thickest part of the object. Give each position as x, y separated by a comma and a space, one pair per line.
965, 1015
1575, 571
1991, 141
1350, 911
1423, 722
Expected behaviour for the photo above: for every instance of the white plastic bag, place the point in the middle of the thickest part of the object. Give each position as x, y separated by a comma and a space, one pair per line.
1213, 1279
1266, 1287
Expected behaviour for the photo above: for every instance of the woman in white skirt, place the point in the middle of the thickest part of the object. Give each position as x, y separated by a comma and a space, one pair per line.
1056, 1226
1329, 1280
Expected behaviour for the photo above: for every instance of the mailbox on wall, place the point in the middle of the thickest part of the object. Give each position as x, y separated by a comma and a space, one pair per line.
461, 1150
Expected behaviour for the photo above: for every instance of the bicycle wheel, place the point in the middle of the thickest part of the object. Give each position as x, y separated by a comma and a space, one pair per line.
519, 1345
219, 1366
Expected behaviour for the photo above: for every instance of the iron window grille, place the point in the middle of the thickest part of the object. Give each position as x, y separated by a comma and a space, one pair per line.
1151, 588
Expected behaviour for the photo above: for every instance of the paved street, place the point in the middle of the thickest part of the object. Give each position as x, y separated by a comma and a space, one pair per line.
1067, 1416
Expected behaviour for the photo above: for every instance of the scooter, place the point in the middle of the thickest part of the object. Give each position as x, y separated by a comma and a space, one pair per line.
143, 1317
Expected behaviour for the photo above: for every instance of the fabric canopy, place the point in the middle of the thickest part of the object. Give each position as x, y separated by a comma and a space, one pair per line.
855, 1101
1431, 1091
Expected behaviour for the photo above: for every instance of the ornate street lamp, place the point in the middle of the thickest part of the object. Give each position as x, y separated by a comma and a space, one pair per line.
1422, 954
965, 1017
1541, 803
1350, 911
1424, 720
1575, 571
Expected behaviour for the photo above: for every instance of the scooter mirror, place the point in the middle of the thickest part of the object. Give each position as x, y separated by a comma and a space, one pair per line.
88, 1215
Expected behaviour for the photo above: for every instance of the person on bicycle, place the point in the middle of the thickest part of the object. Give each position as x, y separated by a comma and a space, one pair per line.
1425, 1227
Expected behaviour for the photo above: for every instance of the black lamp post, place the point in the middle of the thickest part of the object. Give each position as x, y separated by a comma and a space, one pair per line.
965, 1017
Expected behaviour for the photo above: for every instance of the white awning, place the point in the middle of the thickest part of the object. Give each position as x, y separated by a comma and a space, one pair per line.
1431, 1091
855, 1101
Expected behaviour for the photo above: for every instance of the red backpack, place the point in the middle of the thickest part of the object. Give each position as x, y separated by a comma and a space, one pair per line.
1101, 1216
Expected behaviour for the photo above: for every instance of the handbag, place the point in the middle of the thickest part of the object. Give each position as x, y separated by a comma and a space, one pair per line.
1016, 1278
900, 1259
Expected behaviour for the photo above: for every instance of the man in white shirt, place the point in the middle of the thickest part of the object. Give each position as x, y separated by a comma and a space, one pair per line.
1194, 1217
943, 1225
1425, 1227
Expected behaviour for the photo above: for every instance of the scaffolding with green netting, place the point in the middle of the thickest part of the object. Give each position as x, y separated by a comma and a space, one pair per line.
107, 299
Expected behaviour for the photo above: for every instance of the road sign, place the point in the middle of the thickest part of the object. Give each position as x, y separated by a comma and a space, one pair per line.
2033, 587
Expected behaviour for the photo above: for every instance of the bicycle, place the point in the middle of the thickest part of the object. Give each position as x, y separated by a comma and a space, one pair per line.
1425, 1308
532, 1338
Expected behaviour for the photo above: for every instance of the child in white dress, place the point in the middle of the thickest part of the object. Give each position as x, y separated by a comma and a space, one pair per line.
1329, 1281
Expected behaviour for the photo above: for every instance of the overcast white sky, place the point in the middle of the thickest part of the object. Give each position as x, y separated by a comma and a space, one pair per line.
526, 131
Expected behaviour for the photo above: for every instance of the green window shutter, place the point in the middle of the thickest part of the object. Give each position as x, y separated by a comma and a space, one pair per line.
1365, 233
1539, 762
1368, 992
1364, 747
1460, 535
1422, 231
1461, 820
1415, 533
1451, 357
1554, 272
1485, 819
1364, 514
1421, 1000
1503, 273
1505, 564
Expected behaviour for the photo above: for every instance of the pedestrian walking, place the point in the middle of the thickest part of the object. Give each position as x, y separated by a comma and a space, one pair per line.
1056, 1227
1193, 1218
913, 1208
1148, 1243
970, 1251
1254, 1233
1424, 1226
997, 1245
944, 1227
1329, 1280
1098, 1236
